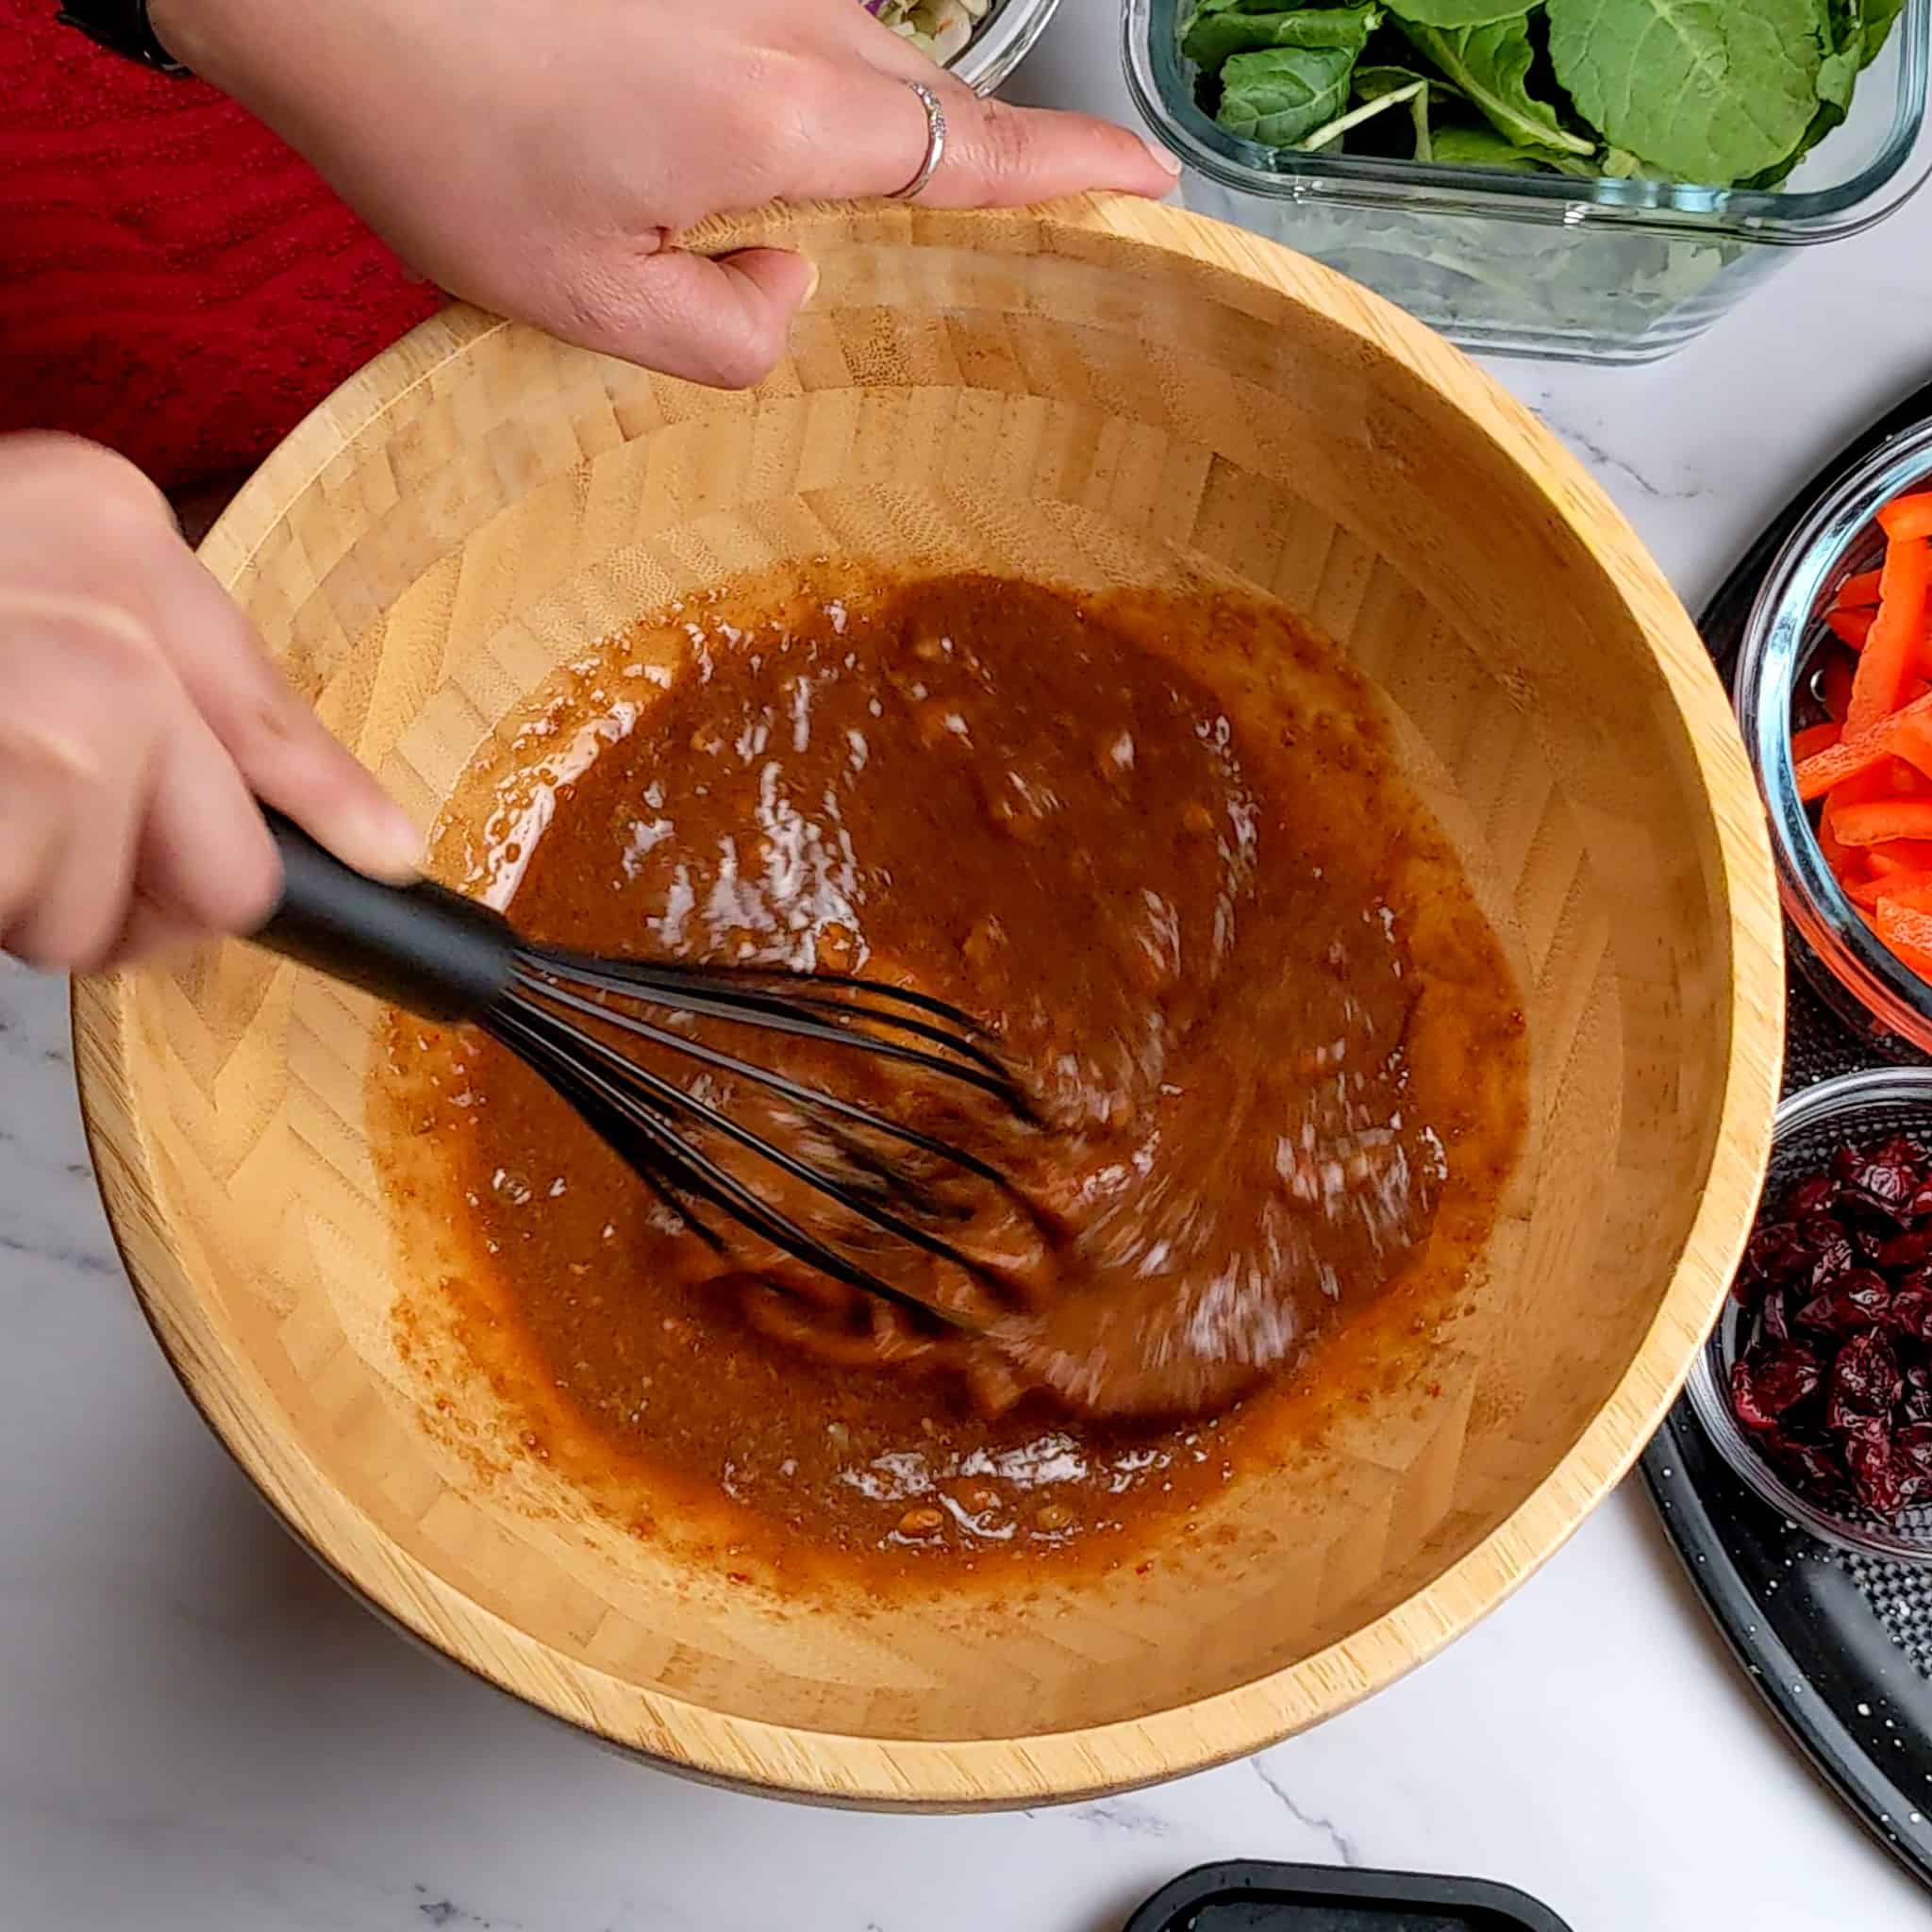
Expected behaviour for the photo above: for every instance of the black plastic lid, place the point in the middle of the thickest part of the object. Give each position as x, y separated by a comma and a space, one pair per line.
1255, 1897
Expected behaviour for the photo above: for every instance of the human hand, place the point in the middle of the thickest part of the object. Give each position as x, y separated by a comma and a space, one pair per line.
139, 720
542, 160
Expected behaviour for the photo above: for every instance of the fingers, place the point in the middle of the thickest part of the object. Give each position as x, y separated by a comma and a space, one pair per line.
205, 862
282, 752
720, 321
1002, 157
73, 772
151, 930
995, 156
140, 722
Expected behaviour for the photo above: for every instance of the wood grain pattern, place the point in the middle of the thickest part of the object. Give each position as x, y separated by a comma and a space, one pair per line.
1098, 393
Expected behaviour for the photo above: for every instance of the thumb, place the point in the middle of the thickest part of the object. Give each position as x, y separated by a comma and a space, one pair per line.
720, 320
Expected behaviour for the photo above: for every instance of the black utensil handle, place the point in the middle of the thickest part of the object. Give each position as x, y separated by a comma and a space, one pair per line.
423, 946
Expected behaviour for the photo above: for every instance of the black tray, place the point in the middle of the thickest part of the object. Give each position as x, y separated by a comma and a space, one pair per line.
1252, 1897
1841, 1647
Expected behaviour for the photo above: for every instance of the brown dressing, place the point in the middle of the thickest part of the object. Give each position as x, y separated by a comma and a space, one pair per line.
1160, 848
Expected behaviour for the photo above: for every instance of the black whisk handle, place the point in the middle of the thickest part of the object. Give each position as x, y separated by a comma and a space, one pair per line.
428, 949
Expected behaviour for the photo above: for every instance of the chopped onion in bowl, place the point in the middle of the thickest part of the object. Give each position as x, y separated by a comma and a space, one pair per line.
939, 28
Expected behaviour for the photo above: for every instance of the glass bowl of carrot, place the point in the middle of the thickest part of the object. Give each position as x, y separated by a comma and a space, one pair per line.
1834, 697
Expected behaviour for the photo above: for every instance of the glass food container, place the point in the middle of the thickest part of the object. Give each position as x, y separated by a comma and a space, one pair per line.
1829, 942
1541, 265
1855, 1110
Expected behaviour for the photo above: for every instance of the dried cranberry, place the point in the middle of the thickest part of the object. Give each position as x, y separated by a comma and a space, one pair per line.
1849, 1427
1774, 1318
1828, 1250
1785, 1378
1912, 1448
1775, 1253
1911, 1308
1911, 1250
1876, 1475
1917, 1402
1809, 1196
1858, 1300
1810, 1465
1902, 1151
1865, 1381
1921, 1204
1885, 1187
1868, 1243
1761, 1390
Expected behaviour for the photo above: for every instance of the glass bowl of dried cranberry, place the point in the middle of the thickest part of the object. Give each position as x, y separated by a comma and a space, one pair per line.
1816, 1384
1798, 664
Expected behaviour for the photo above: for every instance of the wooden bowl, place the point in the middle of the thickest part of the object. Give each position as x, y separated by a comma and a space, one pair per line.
1098, 393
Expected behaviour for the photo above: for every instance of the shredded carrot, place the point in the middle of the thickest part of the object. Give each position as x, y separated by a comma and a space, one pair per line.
1814, 738
1859, 592
1900, 925
1843, 861
1914, 958
1869, 770
1892, 739
1909, 740
1907, 519
1883, 819
1903, 857
1891, 651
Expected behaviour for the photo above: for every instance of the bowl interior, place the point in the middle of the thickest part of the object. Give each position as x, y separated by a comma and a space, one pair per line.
1110, 395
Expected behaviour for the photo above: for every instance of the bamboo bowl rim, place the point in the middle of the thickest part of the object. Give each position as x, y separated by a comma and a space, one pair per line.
982, 1773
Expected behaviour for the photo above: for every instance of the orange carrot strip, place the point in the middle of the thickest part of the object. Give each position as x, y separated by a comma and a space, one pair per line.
1908, 738
1890, 654
1901, 858
1850, 758
1883, 819
1914, 894
1812, 739
1858, 593
1866, 788
1863, 892
1914, 958
1841, 858
1905, 927
1852, 626
1907, 519
1857, 754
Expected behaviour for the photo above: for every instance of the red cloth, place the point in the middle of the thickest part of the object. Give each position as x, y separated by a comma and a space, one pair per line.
174, 281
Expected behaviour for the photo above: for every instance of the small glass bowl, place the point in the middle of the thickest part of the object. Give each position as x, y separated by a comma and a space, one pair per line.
1005, 38
1836, 952
1857, 1110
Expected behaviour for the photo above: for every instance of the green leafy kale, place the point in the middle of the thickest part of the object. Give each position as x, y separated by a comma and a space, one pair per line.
1718, 93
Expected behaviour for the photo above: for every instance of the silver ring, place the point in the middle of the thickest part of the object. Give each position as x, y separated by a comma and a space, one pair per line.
935, 142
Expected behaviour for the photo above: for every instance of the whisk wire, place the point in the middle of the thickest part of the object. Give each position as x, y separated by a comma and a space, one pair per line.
813, 1097
668, 1100
673, 1160
798, 1014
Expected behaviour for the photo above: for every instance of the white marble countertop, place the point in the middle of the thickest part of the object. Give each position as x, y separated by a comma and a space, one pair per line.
198, 1734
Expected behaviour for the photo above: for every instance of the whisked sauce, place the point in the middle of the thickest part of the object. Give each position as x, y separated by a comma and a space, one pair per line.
1160, 848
